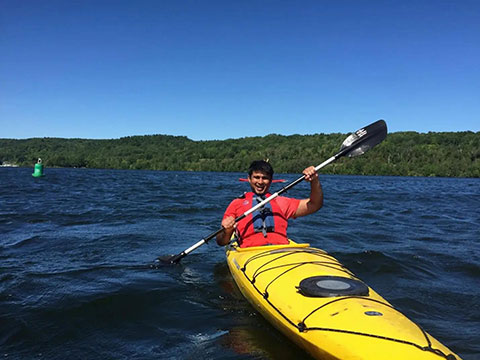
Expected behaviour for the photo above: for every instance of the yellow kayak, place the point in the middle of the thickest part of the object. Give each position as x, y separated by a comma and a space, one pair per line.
321, 306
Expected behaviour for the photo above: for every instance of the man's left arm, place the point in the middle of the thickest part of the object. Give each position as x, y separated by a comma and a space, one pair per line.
315, 201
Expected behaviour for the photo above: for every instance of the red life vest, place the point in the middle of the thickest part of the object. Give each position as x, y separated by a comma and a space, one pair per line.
274, 229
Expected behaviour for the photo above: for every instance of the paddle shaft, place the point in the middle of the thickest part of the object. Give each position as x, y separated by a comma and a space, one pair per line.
356, 144
206, 239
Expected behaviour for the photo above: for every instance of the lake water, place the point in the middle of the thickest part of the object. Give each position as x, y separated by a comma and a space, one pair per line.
76, 248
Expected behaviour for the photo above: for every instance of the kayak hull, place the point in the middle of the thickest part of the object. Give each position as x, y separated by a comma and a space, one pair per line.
344, 320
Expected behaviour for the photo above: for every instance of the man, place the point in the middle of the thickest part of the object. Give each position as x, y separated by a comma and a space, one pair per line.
267, 225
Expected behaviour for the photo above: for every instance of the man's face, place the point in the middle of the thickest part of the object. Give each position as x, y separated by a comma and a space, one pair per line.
259, 182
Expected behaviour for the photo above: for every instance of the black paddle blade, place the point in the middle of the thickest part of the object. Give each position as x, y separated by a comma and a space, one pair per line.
168, 260
359, 142
162, 261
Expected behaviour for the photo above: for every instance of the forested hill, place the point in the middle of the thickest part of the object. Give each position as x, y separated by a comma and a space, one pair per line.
453, 154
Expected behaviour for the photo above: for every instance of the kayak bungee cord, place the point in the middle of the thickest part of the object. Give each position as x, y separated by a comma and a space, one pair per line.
315, 252
334, 264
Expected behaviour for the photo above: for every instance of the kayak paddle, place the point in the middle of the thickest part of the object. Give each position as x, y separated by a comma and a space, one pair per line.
355, 144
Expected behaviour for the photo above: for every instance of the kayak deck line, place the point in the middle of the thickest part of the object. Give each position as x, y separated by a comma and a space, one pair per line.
272, 264
423, 348
302, 326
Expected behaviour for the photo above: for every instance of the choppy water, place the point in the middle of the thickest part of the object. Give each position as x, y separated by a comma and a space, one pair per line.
76, 248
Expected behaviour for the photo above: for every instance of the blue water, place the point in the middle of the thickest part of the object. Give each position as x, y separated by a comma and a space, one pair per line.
76, 248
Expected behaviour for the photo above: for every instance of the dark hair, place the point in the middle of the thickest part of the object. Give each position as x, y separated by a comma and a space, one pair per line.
261, 165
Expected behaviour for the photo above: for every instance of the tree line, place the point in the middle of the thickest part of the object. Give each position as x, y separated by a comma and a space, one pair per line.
449, 154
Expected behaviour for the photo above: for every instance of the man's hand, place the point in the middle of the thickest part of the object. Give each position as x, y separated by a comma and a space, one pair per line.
310, 174
228, 223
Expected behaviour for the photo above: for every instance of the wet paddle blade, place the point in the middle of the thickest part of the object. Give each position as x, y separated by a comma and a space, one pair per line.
359, 142
167, 260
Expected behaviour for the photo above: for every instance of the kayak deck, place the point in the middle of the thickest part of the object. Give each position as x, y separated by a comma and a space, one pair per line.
319, 304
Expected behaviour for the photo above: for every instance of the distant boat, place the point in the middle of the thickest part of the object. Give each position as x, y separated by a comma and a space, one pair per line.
7, 164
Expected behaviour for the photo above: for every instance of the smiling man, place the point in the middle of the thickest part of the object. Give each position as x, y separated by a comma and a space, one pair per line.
267, 225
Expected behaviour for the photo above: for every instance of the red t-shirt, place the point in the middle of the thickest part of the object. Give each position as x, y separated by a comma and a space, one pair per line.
284, 209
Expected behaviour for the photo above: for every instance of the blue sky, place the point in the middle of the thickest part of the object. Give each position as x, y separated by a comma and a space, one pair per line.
231, 69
